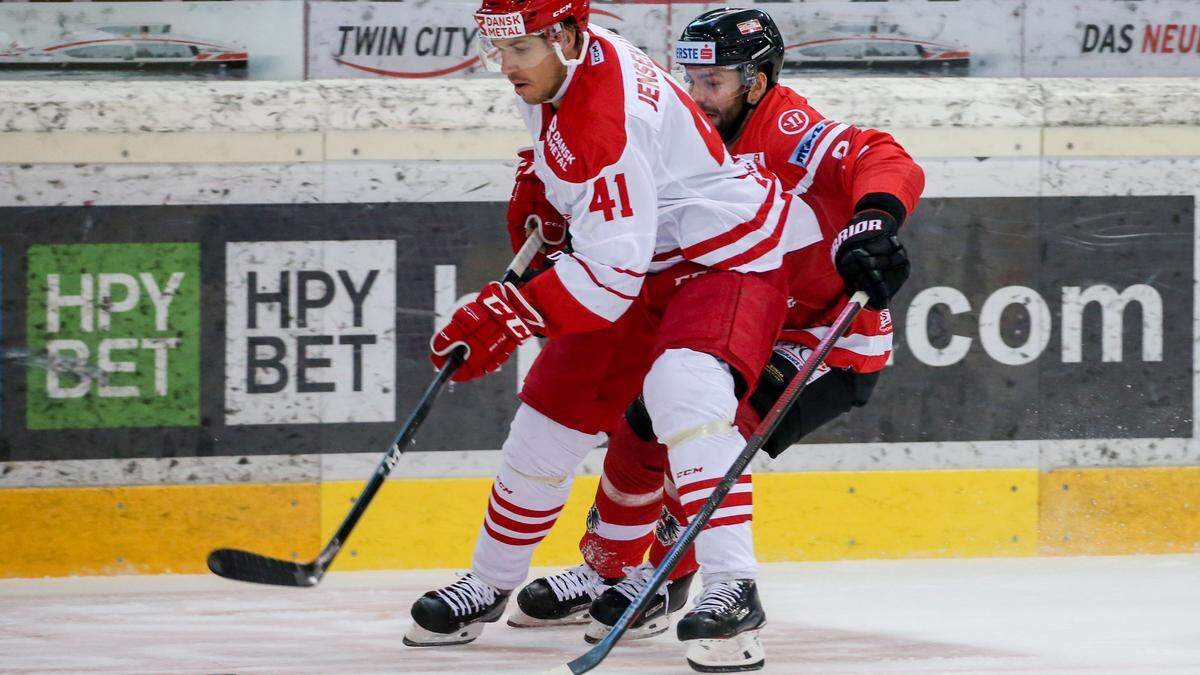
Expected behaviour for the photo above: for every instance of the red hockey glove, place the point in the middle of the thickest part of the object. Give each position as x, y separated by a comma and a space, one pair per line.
490, 327
529, 210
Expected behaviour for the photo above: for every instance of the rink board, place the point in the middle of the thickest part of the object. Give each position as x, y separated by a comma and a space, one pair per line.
433, 523
228, 165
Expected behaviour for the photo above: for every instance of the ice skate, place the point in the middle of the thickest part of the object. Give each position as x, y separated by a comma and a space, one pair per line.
455, 614
656, 619
558, 599
721, 631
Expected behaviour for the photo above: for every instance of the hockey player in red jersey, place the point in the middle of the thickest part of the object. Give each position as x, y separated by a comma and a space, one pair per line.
674, 249
863, 185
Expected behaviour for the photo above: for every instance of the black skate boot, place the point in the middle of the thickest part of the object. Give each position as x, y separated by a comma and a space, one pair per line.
721, 631
558, 599
656, 618
455, 614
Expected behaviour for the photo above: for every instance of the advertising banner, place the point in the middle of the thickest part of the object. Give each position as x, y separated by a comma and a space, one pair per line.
1039, 318
263, 329
256, 40
434, 39
313, 321
310, 332
1151, 38
132, 310
882, 39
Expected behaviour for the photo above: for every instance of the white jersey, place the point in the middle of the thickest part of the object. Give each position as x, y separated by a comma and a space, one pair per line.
646, 182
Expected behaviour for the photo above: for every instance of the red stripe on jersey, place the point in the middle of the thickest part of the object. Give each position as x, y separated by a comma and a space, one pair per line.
659, 257
735, 233
763, 247
563, 312
596, 281
728, 520
735, 499
710, 482
528, 513
511, 541
516, 525
840, 357
631, 273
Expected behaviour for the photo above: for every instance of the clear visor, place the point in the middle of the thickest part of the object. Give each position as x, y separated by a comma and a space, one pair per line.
716, 85
514, 53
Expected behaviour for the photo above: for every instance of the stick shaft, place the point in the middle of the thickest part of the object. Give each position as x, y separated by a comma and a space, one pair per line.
390, 458
769, 424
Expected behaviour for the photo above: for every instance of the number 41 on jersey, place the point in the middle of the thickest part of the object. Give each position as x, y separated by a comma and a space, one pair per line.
602, 201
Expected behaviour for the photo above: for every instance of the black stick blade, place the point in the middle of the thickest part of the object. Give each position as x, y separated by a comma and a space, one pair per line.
246, 566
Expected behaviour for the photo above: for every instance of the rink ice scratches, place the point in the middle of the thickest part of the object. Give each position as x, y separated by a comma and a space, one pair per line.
1045, 615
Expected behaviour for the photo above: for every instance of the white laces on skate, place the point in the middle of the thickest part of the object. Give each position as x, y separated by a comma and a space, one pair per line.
575, 582
467, 595
719, 597
636, 579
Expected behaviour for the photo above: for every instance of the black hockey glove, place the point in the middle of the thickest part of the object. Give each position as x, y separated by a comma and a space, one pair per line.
870, 258
831, 394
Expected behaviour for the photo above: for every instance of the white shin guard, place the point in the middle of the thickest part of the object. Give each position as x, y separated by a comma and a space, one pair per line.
539, 461
690, 398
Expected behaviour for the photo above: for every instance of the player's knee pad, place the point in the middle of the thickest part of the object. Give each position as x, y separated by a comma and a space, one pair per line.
688, 395
544, 451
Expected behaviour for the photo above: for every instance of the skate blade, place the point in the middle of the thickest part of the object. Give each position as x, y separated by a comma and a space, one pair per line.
419, 637
732, 655
596, 631
519, 619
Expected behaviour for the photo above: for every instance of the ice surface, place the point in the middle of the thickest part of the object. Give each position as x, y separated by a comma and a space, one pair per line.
1056, 615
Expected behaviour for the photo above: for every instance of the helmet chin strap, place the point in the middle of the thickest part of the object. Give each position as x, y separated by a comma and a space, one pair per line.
582, 51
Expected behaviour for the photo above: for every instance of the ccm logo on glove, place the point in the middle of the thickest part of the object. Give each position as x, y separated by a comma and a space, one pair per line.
489, 328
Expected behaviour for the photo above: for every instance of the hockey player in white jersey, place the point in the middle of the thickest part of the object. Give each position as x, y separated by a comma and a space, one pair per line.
670, 286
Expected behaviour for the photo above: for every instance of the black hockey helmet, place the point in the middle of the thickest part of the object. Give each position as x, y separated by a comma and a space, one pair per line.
730, 36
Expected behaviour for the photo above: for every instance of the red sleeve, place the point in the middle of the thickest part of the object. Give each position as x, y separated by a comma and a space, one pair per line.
865, 163
877, 164
559, 309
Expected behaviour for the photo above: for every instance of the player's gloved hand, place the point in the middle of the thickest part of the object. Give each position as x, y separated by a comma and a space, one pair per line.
870, 258
529, 210
490, 327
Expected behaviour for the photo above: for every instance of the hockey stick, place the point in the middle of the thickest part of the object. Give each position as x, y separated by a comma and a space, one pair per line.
246, 566
53, 363
791, 394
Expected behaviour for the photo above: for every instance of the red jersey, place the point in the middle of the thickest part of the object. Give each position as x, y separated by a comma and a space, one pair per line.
832, 165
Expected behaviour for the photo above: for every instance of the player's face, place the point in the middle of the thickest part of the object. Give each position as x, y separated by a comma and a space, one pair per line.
720, 93
532, 67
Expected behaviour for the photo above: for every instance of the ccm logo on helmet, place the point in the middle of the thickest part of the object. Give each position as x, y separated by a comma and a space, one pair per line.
872, 225
566, 8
